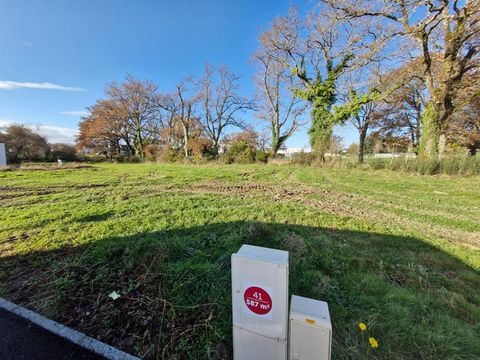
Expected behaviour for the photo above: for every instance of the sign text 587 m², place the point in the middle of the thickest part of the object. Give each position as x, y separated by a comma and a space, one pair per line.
257, 300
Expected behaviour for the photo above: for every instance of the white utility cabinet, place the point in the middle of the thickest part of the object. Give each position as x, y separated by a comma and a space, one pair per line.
248, 345
260, 303
310, 329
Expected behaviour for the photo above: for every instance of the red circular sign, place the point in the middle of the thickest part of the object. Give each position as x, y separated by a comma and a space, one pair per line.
257, 300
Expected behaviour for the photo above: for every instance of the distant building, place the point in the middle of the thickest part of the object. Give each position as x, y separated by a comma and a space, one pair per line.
288, 152
394, 155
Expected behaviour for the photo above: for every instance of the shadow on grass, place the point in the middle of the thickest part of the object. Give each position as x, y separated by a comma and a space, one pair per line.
96, 217
175, 289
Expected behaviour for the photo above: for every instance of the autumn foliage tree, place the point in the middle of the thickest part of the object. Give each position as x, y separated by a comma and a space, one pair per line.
128, 119
136, 99
105, 129
464, 128
136, 116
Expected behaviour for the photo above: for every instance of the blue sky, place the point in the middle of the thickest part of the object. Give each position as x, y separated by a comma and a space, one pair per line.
57, 56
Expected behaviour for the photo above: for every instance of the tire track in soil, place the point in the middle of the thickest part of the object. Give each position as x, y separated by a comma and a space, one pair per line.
335, 203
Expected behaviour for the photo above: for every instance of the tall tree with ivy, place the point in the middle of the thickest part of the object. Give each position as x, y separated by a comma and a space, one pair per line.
320, 92
444, 34
320, 48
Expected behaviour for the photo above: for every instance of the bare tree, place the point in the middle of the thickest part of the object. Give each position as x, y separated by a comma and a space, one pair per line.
401, 113
447, 35
364, 92
362, 121
264, 140
336, 145
182, 107
220, 102
278, 105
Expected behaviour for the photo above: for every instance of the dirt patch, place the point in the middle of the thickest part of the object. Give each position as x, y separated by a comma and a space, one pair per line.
47, 167
88, 186
17, 194
9, 239
332, 202
142, 310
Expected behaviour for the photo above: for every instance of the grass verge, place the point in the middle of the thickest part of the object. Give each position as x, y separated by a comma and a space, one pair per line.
396, 251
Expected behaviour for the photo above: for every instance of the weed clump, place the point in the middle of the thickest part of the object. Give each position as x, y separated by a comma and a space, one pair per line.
450, 165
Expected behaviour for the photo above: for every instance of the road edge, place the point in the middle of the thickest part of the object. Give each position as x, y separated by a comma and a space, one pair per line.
65, 332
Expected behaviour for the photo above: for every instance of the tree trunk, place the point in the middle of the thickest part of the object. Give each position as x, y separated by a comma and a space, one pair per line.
361, 144
139, 145
131, 149
275, 141
418, 133
430, 137
215, 147
320, 133
322, 145
118, 147
185, 140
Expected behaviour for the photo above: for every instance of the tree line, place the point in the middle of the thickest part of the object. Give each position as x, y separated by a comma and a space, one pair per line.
407, 69
404, 74
191, 120
24, 144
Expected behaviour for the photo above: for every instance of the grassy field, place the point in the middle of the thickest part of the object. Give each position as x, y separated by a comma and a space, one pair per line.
396, 251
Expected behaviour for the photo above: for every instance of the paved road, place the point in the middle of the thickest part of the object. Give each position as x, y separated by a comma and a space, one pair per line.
22, 340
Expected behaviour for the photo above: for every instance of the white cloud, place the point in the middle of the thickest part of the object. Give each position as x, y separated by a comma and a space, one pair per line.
5, 122
54, 134
27, 43
75, 113
10, 85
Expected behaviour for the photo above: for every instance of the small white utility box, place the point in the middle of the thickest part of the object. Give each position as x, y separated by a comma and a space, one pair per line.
260, 303
310, 329
3, 155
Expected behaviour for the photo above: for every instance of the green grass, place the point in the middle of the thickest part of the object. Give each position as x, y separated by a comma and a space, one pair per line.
397, 251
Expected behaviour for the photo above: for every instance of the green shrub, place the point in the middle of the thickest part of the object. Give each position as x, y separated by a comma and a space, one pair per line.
208, 154
246, 157
378, 164
65, 152
465, 165
302, 158
240, 153
427, 166
127, 159
261, 156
